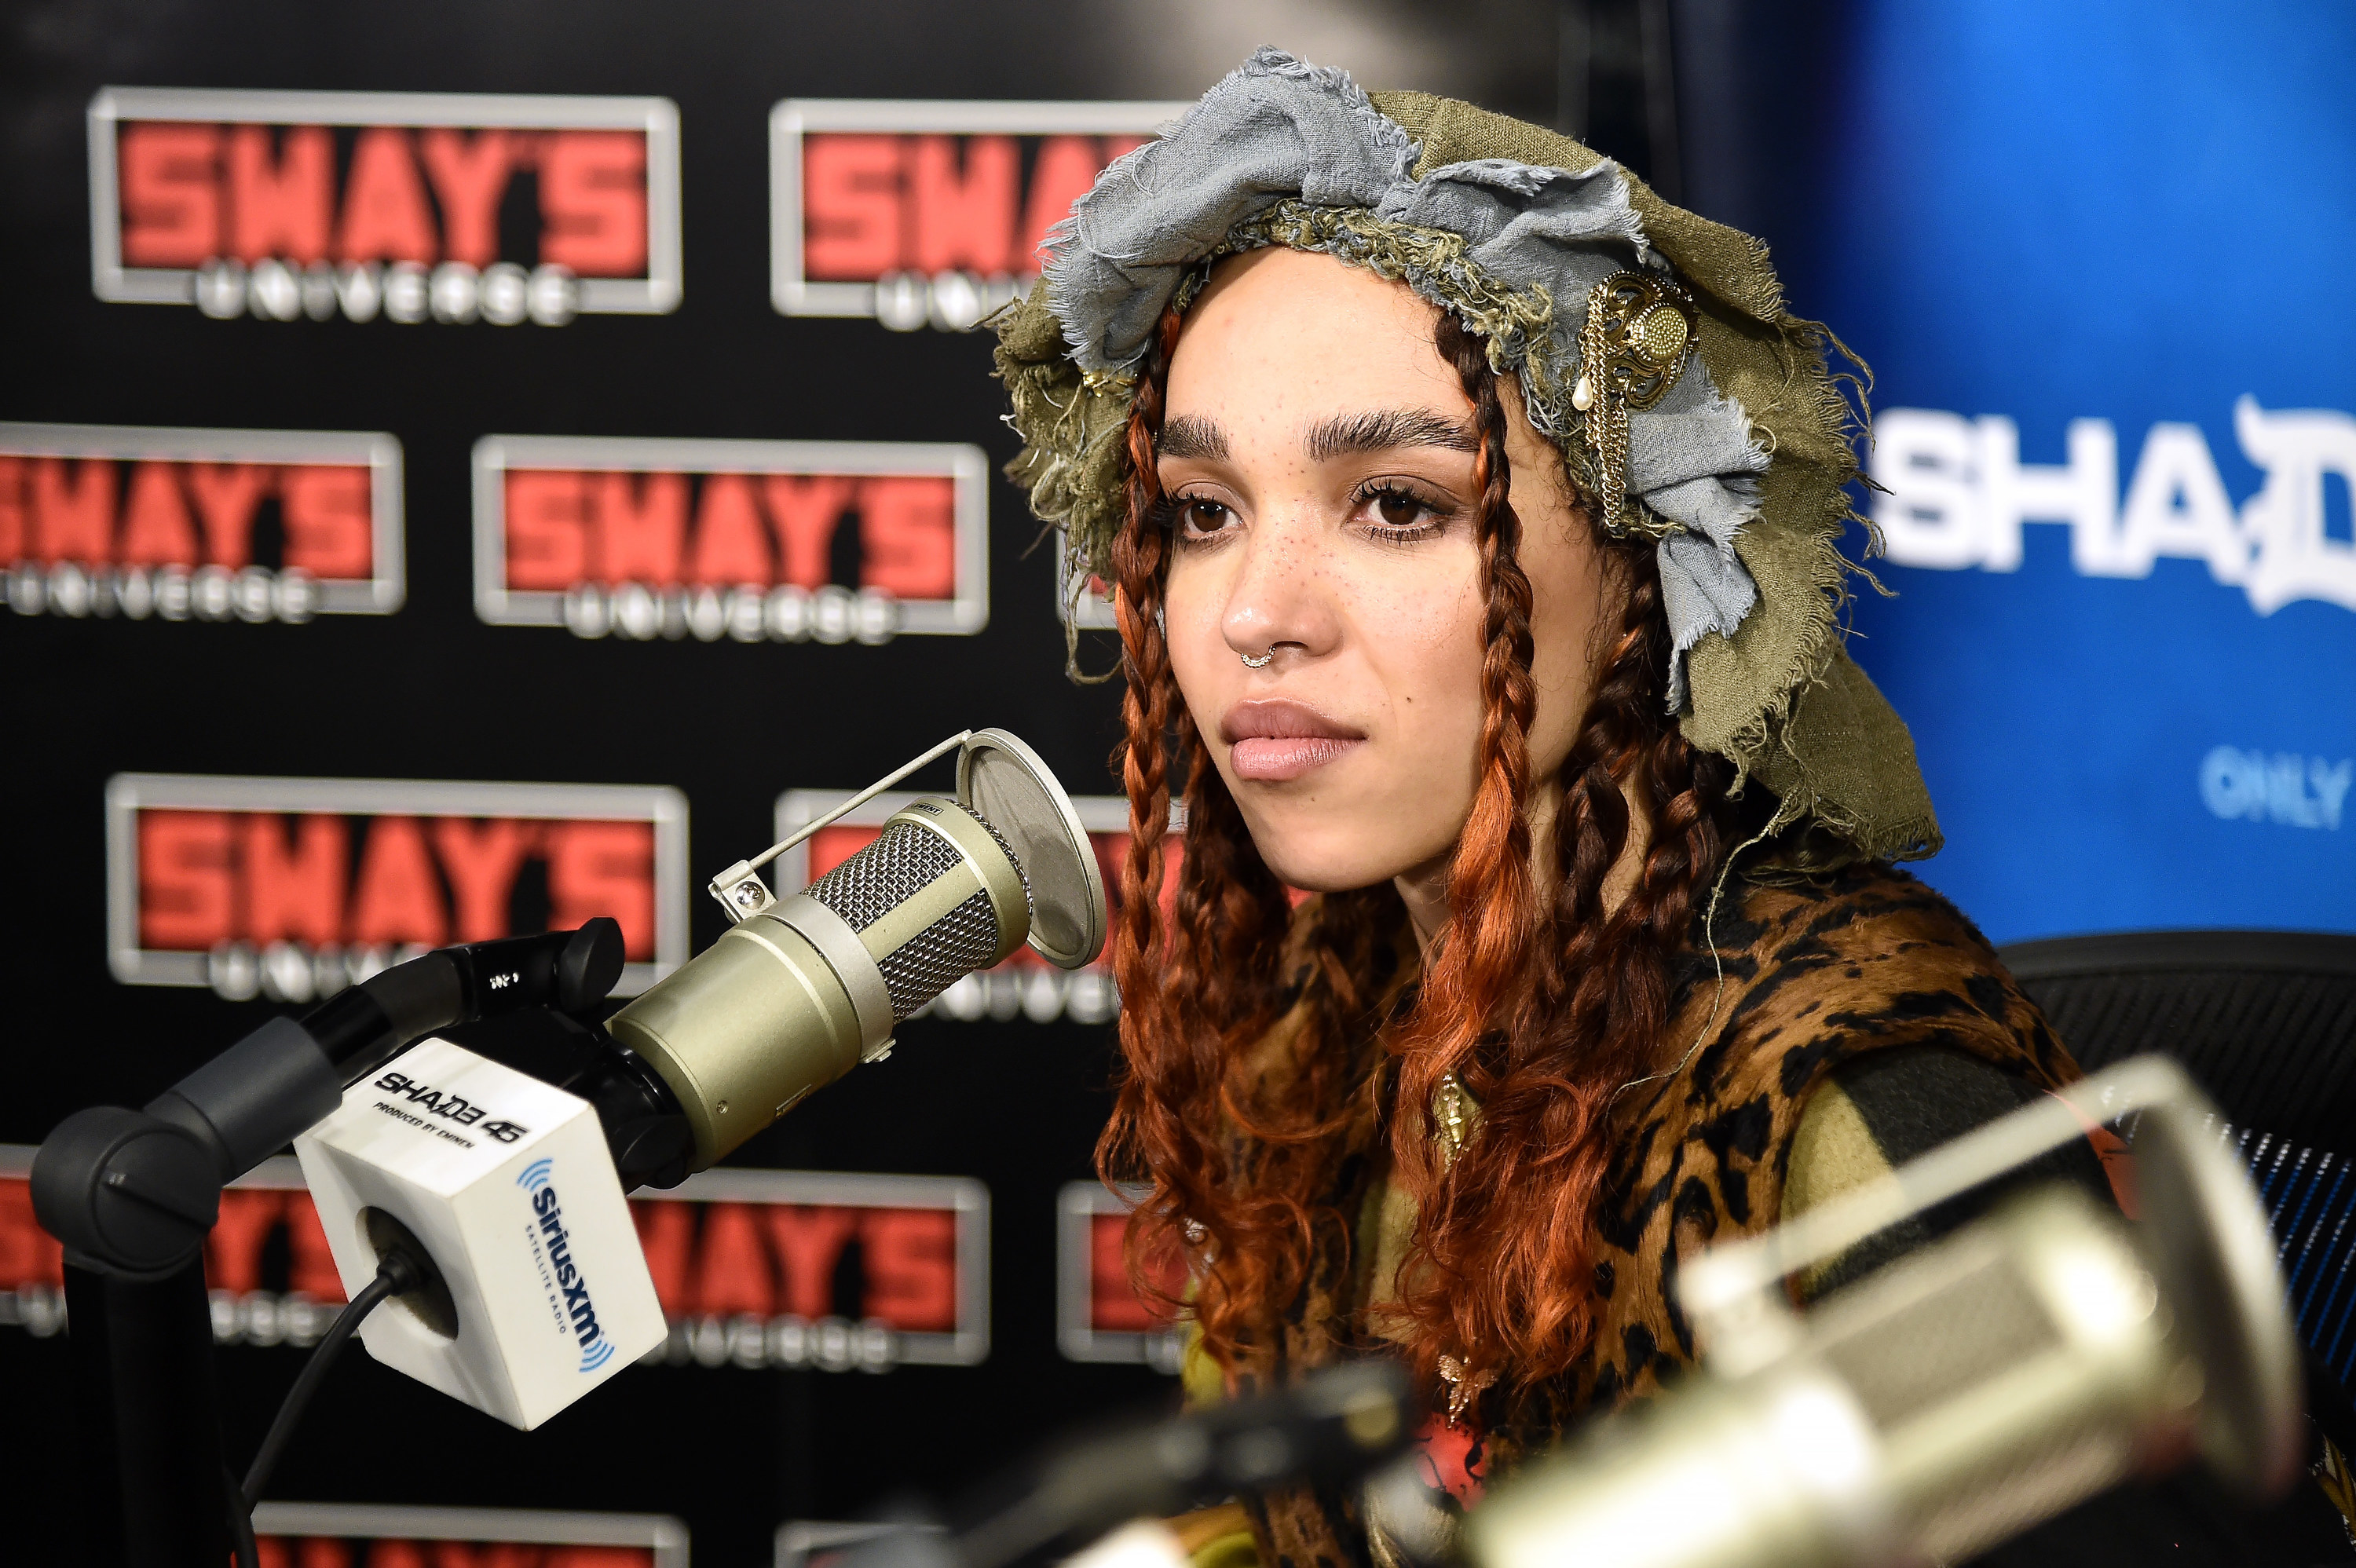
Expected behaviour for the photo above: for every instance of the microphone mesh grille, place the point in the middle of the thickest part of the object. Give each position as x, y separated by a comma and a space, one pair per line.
905, 858
939, 955
1956, 1330
880, 878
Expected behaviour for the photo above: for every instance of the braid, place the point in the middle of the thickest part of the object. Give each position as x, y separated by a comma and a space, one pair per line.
1142, 758
1140, 761
1198, 981
1500, 1254
1691, 814
1508, 696
1479, 960
1592, 831
1540, 999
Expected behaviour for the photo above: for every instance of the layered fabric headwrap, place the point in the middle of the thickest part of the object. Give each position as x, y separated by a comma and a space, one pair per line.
1739, 469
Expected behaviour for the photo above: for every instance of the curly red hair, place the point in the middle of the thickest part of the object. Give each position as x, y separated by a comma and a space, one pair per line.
1239, 1154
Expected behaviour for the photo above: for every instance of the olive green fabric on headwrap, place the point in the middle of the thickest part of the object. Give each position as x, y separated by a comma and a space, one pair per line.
1780, 697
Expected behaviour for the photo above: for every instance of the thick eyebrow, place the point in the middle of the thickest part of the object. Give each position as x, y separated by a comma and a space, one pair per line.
1347, 436
1190, 435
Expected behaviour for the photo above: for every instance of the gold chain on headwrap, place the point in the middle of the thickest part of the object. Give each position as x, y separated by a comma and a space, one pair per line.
1639, 331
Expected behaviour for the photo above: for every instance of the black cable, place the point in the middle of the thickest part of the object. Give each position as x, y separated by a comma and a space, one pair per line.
243, 1551
397, 1275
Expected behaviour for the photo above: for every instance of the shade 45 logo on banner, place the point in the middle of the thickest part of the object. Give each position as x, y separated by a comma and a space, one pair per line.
755, 1268
1100, 1314
913, 211
292, 889
412, 206
1956, 494
777, 540
1024, 985
209, 525
2124, 629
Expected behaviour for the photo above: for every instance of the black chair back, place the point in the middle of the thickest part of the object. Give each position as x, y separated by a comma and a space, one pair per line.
2265, 1022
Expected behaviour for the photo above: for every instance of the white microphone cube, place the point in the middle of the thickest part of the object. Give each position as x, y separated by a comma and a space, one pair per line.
508, 1183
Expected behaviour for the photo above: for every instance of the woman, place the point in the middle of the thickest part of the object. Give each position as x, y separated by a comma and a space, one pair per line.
1470, 515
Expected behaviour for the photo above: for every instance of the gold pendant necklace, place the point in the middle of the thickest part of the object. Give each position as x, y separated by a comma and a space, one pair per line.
1458, 1117
1465, 1385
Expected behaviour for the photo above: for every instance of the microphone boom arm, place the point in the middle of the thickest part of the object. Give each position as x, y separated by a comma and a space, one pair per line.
132, 1194
740, 888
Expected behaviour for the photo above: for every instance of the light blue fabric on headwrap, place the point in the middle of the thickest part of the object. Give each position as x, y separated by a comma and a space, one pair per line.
1278, 130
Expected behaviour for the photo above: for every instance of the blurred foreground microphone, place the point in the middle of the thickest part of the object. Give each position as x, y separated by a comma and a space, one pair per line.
801, 990
1963, 1394
1328, 1430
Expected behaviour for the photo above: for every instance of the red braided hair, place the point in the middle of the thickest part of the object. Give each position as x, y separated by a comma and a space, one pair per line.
1540, 1011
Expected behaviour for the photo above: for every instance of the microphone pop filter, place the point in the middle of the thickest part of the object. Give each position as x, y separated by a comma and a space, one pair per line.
1004, 781
803, 989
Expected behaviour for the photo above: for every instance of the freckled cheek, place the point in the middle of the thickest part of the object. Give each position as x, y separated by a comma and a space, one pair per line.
1426, 648
1419, 607
1198, 648
1437, 627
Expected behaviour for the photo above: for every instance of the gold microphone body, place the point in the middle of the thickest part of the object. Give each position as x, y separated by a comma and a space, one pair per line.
791, 998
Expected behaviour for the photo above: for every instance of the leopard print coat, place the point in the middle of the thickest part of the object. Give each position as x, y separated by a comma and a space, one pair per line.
1804, 979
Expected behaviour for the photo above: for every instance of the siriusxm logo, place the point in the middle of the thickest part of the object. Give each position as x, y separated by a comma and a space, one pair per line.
595, 1348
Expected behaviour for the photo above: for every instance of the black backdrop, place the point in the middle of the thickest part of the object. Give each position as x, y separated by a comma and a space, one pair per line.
433, 693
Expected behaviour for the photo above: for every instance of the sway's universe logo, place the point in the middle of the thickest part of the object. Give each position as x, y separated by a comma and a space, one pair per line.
409, 207
1100, 1314
790, 1268
554, 1245
1957, 495
754, 1268
292, 889
271, 1275
1021, 986
208, 525
916, 212
755, 541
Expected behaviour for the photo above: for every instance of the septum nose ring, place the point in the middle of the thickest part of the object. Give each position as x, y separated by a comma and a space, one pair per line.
1259, 663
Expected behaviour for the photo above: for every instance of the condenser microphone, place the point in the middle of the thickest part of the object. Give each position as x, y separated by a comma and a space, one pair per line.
1961, 1394
802, 989
516, 1188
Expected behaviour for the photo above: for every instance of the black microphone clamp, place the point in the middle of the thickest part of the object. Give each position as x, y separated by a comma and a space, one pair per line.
132, 1194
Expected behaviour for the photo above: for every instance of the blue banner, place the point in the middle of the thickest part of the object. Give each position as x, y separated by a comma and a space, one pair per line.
2100, 257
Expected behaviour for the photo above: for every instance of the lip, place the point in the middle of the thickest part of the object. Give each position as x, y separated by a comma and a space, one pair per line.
1275, 739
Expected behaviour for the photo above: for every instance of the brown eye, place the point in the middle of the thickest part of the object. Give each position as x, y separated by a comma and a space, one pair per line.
1205, 516
1397, 509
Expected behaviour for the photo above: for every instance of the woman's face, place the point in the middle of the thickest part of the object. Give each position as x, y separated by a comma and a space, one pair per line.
1318, 456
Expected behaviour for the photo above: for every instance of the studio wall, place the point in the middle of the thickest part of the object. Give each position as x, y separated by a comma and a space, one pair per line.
462, 476
464, 469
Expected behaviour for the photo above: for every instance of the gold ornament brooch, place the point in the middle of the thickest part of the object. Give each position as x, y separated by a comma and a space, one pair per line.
1464, 1386
1639, 333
